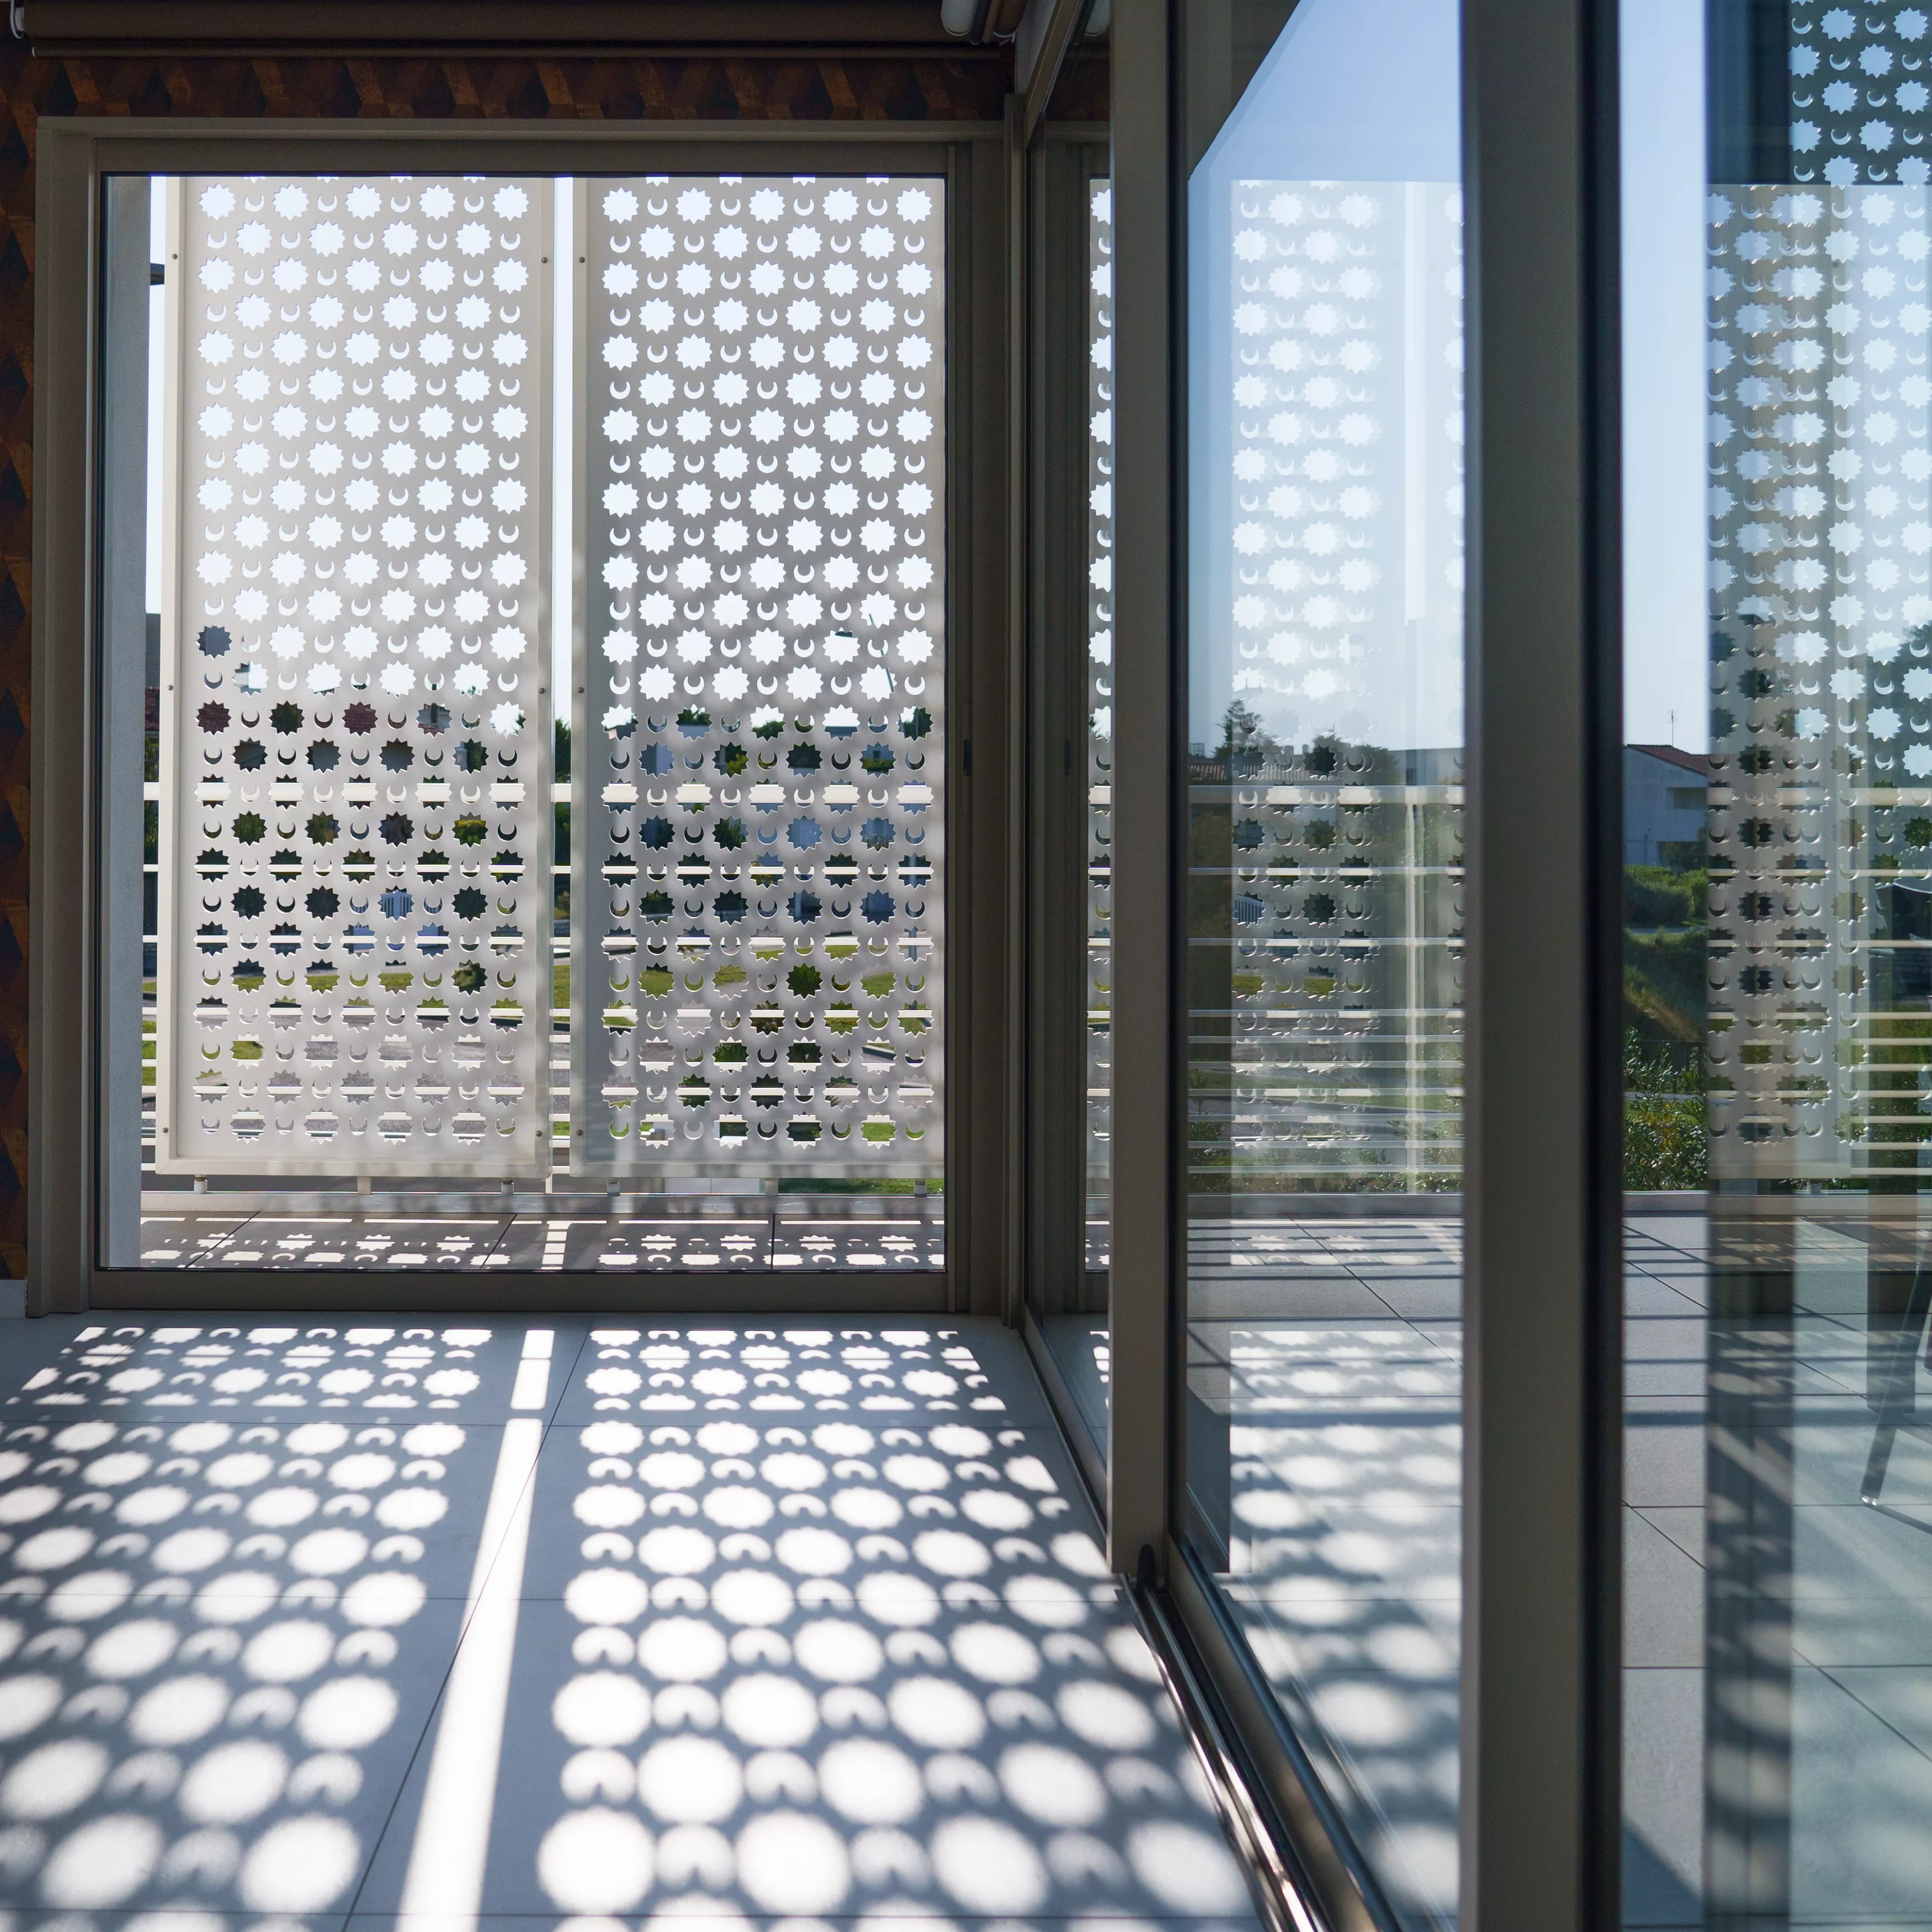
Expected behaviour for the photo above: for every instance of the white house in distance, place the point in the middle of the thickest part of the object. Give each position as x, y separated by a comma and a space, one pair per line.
1664, 805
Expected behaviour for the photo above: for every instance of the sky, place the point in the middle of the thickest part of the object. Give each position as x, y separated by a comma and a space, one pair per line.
1369, 94
1665, 700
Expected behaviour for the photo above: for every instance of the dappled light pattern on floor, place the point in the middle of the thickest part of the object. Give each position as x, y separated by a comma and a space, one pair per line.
1329, 1352
344, 1368
926, 1372
306, 1624
840, 1666
219, 1550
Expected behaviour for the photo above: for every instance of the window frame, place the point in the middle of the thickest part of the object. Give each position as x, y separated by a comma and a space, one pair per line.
72, 861
1063, 159
1541, 1738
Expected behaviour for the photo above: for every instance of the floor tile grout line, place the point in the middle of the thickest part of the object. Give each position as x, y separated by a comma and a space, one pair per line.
466, 1764
564, 1383
850, 1921
473, 1599
1826, 1671
433, 1719
430, 1722
503, 1227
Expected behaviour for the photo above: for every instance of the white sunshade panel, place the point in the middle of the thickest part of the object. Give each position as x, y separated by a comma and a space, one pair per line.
757, 895
353, 966
1100, 678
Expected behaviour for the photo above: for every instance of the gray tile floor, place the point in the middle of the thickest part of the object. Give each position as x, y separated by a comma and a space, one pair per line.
1329, 1353
1332, 1349
310, 1622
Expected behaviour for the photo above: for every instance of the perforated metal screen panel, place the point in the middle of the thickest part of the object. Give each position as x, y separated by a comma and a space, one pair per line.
1820, 959
1326, 772
353, 971
1819, 966
1099, 680
757, 897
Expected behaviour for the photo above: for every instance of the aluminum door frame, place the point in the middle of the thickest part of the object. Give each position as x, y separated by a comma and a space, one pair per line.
1541, 1736
68, 841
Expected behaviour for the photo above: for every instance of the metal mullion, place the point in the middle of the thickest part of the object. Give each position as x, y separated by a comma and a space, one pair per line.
64, 875
1057, 731
122, 647
1541, 1733
1148, 1235
523, 148
984, 747
1021, 793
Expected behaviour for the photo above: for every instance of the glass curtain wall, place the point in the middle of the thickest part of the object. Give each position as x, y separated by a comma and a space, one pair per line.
1777, 963
543, 781
1323, 883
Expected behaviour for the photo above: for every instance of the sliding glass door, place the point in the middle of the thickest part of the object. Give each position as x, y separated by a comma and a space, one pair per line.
1322, 873
1778, 963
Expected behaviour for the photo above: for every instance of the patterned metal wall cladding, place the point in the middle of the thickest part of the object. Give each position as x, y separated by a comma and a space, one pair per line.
353, 964
759, 888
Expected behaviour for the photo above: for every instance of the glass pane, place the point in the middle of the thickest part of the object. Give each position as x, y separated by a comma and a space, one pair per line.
365, 1041
1778, 816
1084, 1345
1324, 890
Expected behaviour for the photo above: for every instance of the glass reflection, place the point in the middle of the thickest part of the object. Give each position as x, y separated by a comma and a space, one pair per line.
1099, 718
1072, 682
1324, 887
1778, 1525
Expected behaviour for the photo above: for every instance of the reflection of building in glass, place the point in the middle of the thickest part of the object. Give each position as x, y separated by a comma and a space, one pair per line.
1330, 597
1664, 802
1333, 998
